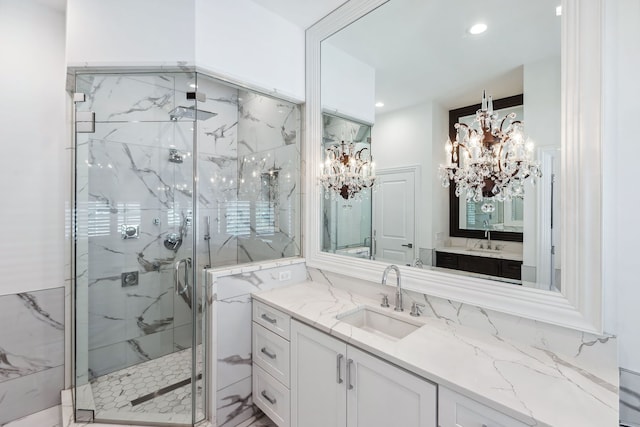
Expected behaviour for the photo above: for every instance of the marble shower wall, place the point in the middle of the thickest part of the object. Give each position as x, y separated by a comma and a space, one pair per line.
629, 398
31, 355
231, 313
269, 133
124, 177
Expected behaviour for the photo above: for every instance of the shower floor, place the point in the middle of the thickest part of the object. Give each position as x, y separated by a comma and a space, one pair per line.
159, 386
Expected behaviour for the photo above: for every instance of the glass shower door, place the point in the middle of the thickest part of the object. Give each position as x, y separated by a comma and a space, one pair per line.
139, 309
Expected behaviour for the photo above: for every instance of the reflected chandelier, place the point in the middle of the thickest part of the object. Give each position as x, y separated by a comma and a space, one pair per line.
488, 160
346, 172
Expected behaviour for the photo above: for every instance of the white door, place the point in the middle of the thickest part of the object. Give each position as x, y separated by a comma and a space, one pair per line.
318, 364
394, 216
382, 395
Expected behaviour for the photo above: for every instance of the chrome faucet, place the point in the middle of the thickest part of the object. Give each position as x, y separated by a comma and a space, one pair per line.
395, 268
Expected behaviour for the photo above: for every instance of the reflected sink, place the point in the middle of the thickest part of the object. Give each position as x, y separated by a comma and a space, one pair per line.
491, 251
379, 323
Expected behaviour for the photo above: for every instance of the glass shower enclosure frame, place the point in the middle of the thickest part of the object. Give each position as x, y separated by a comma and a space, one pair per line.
175, 172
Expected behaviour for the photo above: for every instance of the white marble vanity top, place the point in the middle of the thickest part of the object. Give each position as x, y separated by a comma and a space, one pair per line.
531, 384
516, 256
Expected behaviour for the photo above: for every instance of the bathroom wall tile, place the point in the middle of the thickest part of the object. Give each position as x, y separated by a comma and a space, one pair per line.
218, 135
166, 134
629, 398
119, 313
31, 393
134, 97
234, 340
234, 404
32, 339
231, 286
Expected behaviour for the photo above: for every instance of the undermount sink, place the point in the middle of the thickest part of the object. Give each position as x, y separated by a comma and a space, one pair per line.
378, 322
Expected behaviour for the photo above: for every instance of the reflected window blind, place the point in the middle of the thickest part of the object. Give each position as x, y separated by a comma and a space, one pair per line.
265, 218
238, 218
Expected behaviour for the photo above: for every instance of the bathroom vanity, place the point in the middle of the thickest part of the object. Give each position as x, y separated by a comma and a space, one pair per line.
325, 356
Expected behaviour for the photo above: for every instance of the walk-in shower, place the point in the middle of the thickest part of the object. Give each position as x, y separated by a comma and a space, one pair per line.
168, 182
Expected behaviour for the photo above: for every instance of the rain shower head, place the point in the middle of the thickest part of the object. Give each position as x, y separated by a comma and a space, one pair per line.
190, 113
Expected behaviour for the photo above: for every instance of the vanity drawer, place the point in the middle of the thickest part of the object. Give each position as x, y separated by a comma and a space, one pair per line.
456, 410
446, 260
272, 319
271, 396
271, 352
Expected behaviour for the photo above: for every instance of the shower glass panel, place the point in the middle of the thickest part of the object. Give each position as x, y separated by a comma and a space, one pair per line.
175, 173
138, 297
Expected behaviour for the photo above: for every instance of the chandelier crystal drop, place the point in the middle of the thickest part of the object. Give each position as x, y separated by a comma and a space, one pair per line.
490, 158
346, 171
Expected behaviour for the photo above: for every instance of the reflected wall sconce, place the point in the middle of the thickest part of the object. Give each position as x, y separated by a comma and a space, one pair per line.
489, 160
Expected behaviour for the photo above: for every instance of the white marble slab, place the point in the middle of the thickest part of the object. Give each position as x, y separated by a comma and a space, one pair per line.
234, 404
31, 393
529, 382
629, 398
32, 337
51, 417
234, 340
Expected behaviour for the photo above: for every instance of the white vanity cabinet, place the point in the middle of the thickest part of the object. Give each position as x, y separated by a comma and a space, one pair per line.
334, 384
456, 410
271, 367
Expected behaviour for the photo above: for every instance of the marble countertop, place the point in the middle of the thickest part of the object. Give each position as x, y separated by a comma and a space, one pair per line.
515, 256
534, 385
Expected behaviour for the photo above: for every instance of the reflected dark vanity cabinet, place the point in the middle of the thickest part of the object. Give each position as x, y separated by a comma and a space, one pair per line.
507, 268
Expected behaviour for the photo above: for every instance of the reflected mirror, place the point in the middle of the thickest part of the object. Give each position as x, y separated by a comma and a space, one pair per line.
394, 80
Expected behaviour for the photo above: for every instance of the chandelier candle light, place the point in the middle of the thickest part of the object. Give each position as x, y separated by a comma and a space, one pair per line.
487, 160
346, 172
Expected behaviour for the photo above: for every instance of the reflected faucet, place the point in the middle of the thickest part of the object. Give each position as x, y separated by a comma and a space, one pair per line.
395, 268
487, 234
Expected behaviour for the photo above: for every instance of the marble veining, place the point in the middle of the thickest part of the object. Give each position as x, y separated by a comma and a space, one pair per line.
487, 363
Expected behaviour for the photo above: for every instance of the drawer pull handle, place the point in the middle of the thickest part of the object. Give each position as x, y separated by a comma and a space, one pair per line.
271, 400
268, 353
268, 319
339, 368
349, 368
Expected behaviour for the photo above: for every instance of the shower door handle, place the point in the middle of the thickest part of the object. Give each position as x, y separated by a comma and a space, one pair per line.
176, 275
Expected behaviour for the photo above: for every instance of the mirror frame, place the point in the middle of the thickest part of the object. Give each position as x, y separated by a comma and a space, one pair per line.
579, 306
454, 201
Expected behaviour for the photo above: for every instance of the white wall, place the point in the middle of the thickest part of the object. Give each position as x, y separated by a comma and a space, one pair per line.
34, 166
348, 85
403, 138
238, 40
542, 120
125, 32
244, 41
621, 199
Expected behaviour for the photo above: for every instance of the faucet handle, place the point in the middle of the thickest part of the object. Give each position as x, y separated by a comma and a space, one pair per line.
416, 309
385, 301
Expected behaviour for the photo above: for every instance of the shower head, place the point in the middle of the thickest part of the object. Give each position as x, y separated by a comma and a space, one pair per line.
190, 113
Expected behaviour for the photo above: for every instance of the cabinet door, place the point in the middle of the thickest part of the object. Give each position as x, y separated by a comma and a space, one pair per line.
382, 395
317, 378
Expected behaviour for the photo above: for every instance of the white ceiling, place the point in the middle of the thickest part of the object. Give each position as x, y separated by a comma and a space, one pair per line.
303, 13
421, 49
60, 5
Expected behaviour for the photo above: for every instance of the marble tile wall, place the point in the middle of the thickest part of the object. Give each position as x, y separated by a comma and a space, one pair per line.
31, 352
125, 177
231, 307
629, 398
269, 133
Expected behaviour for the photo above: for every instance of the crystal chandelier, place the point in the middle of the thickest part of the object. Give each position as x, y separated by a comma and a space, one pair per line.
346, 172
489, 160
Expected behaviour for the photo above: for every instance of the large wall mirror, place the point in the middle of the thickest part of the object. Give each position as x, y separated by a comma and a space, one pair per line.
393, 77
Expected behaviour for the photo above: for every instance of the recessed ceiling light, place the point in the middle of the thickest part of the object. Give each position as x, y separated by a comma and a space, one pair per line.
558, 10
192, 85
379, 104
478, 29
